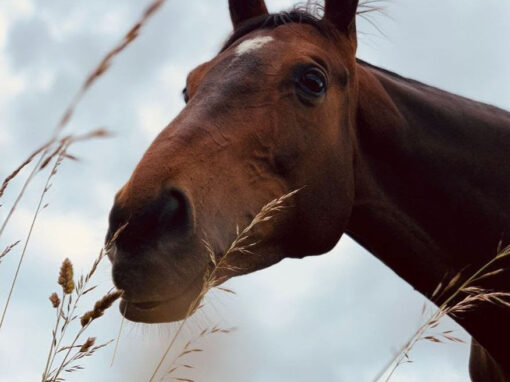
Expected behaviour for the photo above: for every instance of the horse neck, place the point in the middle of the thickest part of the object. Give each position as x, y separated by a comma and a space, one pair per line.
432, 180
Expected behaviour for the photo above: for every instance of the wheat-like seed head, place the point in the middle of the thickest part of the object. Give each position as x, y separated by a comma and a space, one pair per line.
100, 307
55, 300
88, 344
474, 296
65, 278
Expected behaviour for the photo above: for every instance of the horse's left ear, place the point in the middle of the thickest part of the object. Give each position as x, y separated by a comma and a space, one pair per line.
242, 10
342, 13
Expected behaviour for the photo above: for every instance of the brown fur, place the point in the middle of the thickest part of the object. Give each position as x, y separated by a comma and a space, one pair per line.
418, 176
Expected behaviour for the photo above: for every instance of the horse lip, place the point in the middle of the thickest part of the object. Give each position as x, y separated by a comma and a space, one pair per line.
174, 308
147, 305
151, 313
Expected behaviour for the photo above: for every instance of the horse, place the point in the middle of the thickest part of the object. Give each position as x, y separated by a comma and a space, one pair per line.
416, 175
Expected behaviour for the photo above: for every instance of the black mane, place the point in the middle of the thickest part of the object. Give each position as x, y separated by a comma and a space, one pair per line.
311, 13
275, 20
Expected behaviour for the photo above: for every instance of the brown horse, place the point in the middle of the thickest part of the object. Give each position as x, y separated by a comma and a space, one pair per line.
416, 175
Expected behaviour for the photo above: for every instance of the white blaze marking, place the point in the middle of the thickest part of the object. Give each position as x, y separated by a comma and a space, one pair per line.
252, 44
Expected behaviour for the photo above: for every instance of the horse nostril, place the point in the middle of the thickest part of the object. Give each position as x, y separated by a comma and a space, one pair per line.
168, 214
174, 211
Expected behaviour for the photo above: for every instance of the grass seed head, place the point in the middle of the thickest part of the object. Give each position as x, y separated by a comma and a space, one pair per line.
55, 300
65, 278
100, 307
88, 344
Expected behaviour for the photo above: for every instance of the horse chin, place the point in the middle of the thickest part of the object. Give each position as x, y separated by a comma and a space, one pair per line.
158, 311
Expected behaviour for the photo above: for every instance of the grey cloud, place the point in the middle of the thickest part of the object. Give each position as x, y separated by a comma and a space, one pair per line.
347, 330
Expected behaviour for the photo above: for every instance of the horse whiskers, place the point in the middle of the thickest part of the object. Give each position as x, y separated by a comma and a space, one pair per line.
266, 213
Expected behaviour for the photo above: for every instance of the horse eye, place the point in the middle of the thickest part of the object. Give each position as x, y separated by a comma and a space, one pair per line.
185, 94
313, 82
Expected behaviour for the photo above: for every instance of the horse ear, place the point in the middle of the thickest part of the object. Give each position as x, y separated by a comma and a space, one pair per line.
242, 10
342, 13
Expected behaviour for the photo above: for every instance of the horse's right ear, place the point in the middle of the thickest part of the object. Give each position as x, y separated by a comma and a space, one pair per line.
242, 10
342, 13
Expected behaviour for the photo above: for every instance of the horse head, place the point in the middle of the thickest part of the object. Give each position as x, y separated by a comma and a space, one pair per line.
273, 112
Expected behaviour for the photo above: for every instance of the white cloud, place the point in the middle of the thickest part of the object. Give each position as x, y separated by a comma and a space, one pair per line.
43, 79
20, 8
9, 13
280, 5
408, 373
172, 76
111, 23
21, 343
58, 235
335, 311
12, 84
165, 102
152, 118
104, 192
3, 31
4, 136
62, 28
14, 10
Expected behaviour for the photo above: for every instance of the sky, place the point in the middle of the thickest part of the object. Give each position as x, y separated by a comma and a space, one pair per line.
335, 317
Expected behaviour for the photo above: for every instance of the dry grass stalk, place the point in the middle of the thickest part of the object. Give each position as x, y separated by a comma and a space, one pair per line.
100, 307
241, 244
66, 315
117, 340
98, 71
66, 364
13, 174
24, 187
84, 350
474, 296
44, 151
8, 249
473, 299
53, 172
65, 280
45, 157
106, 62
58, 155
190, 348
